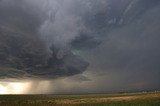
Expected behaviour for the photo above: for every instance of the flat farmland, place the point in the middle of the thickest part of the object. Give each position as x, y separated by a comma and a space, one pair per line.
121, 99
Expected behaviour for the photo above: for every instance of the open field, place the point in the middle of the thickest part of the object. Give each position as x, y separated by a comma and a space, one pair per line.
122, 99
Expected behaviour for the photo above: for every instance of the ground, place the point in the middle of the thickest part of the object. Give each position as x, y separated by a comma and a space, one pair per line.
121, 99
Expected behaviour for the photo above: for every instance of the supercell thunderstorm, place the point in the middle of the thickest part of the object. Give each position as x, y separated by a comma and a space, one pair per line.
74, 46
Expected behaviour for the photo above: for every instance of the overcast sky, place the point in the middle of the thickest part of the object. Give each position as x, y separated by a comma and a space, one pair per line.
80, 46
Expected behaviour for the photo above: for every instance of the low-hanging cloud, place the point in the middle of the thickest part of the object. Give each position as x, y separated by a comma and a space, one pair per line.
115, 40
36, 43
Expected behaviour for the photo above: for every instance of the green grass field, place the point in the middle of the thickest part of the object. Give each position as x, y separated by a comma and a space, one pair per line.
123, 99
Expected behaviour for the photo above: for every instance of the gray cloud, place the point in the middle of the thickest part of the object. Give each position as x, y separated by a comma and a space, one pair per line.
47, 39
24, 53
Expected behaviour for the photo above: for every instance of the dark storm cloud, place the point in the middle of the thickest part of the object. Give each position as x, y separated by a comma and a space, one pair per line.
23, 46
127, 57
46, 39
85, 42
130, 50
18, 14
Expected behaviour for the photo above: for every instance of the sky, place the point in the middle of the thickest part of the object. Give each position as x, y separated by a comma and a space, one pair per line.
79, 46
